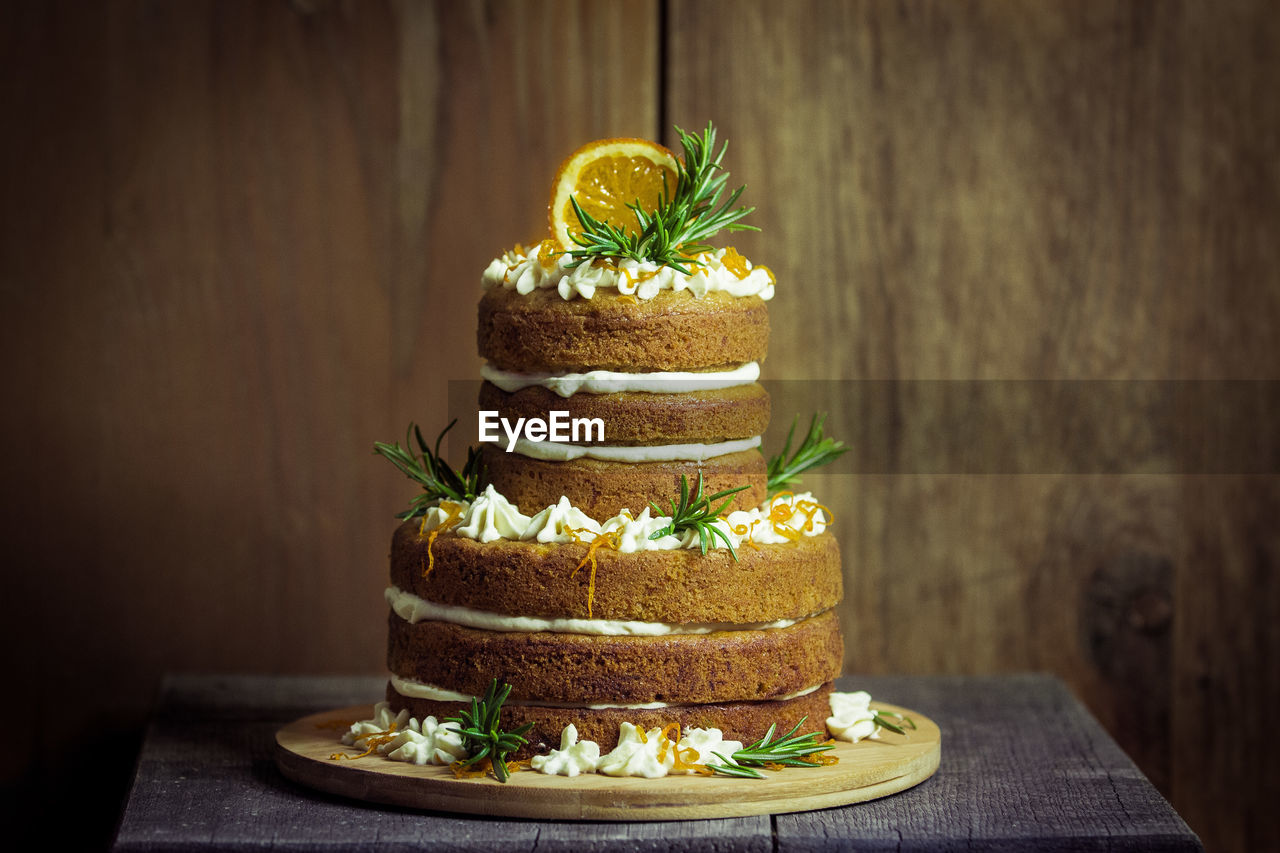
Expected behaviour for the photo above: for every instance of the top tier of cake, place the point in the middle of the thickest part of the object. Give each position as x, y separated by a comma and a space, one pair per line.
668, 364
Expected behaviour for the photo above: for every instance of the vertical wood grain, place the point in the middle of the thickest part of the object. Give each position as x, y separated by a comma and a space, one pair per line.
1029, 191
242, 241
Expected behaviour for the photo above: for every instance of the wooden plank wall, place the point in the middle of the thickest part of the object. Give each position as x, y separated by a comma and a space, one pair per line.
242, 240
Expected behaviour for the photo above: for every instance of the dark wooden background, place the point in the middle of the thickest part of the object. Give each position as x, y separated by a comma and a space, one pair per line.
242, 240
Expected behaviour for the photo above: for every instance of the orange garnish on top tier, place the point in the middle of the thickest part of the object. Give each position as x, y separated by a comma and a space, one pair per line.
605, 176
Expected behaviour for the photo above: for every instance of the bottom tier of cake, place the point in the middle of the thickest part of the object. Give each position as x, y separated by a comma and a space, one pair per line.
744, 721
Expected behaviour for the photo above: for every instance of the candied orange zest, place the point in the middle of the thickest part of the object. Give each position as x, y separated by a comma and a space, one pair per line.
637, 280
455, 512
549, 252
685, 759
822, 759
475, 771
781, 515
747, 530
606, 539
810, 509
735, 263
668, 742
741, 267
372, 742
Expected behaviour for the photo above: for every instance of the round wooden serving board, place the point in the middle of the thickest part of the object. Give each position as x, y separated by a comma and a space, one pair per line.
866, 770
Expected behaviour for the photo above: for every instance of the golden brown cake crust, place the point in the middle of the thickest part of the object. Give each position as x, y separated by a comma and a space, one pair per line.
743, 721
630, 418
603, 489
673, 331
582, 669
786, 581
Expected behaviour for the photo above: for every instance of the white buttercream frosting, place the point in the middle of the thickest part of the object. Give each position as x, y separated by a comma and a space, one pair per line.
707, 743
783, 518
559, 524
414, 609
429, 743
632, 534
851, 717
613, 382
551, 451
573, 756
383, 720
527, 270
638, 753
491, 516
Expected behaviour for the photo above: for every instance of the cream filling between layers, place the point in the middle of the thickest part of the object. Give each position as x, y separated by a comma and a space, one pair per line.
614, 382
550, 451
414, 689
414, 609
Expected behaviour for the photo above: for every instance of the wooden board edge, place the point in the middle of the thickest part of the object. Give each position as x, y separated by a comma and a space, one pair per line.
550, 798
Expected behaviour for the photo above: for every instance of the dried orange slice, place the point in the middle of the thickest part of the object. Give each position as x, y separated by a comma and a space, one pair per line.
605, 176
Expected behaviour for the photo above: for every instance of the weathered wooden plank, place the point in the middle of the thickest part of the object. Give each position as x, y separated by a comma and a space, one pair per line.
997, 190
271, 222
243, 241
209, 759
1228, 646
1023, 764
1024, 768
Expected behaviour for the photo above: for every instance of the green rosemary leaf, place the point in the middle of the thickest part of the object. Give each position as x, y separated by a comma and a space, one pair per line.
727, 769
881, 719
814, 451
695, 512
429, 470
788, 750
481, 735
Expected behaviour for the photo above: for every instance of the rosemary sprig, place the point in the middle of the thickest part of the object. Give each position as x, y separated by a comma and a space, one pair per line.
789, 750
815, 450
881, 719
437, 479
674, 233
694, 512
480, 733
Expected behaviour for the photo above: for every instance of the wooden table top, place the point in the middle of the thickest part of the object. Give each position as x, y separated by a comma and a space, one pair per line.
1024, 766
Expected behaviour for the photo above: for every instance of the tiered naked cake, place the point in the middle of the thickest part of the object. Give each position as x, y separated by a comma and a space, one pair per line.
574, 571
